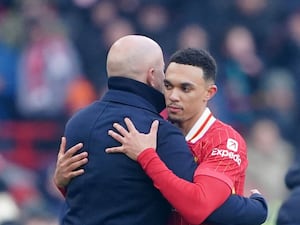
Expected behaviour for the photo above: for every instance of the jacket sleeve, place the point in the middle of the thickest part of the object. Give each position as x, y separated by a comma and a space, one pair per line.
239, 210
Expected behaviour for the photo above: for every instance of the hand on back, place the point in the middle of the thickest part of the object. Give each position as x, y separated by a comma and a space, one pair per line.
132, 141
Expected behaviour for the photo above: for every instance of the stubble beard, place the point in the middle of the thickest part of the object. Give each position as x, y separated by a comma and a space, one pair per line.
175, 121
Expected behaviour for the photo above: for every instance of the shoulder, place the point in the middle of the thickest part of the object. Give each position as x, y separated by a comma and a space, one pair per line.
222, 131
167, 128
292, 178
84, 115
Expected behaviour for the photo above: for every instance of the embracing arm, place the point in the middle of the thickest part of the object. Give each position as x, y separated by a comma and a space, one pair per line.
68, 165
238, 210
196, 201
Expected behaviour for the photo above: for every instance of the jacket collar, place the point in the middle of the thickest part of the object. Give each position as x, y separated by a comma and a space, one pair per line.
151, 95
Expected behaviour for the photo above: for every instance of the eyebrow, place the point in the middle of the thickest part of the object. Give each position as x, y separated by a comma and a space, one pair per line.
186, 84
181, 84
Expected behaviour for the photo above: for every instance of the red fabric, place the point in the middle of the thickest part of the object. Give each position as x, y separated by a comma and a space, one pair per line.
62, 190
194, 201
177, 219
214, 152
164, 114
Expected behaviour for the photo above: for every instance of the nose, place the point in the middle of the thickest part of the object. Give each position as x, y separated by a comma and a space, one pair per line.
173, 95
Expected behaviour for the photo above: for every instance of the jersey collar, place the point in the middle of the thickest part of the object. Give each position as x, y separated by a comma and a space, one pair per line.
201, 126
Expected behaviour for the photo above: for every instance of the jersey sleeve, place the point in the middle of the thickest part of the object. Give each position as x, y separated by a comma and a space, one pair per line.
225, 153
194, 201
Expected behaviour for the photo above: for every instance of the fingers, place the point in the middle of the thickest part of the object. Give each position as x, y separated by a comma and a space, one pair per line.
131, 128
120, 129
69, 159
73, 150
80, 156
115, 136
62, 149
255, 191
130, 125
78, 161
76, 173
115, 150
62, 146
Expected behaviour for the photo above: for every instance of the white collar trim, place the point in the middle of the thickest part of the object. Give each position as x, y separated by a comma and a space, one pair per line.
201, 126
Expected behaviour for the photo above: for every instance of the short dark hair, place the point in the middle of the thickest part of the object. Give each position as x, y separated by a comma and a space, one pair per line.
199, 58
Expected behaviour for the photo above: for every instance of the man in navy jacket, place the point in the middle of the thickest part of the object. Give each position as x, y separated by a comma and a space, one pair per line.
288, 213
114, 190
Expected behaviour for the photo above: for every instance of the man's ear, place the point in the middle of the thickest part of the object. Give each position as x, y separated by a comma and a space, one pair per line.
211, 91
150, 77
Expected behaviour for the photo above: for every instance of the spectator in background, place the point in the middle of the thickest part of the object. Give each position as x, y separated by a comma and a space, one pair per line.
8, 62
88, 23
93, 35
288, 213
80, 93
293, 34
116, 29
10, 212
153, 19
18, 191
269, 152
193, 36
259, 16
10, 36
284, 50
279, 103
47, 66
242, 69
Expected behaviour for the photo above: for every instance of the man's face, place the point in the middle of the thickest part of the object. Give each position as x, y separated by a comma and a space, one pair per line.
186, 93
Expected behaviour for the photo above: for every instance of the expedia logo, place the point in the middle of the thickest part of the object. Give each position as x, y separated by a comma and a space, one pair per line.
232, 145
227, 153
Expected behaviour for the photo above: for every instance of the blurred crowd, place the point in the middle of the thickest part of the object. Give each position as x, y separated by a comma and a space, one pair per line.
52, 62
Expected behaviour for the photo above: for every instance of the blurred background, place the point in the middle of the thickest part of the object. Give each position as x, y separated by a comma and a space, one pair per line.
52, 62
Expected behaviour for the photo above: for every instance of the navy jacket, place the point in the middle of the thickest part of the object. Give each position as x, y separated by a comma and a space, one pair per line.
114, 190
288, 213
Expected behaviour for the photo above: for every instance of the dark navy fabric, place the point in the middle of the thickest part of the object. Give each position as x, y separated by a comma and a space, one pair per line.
114, 189
240, 211
288, 213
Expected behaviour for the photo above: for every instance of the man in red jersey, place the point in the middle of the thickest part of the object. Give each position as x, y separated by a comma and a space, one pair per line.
219, 149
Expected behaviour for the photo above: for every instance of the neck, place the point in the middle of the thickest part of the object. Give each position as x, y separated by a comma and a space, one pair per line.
186, 125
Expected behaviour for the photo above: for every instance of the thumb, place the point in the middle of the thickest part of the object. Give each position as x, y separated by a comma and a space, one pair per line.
154, 127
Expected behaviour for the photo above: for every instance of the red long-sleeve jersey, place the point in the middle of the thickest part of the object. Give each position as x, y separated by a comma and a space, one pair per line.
221, 154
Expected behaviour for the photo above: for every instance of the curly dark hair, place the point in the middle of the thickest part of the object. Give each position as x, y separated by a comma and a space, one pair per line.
199, 58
